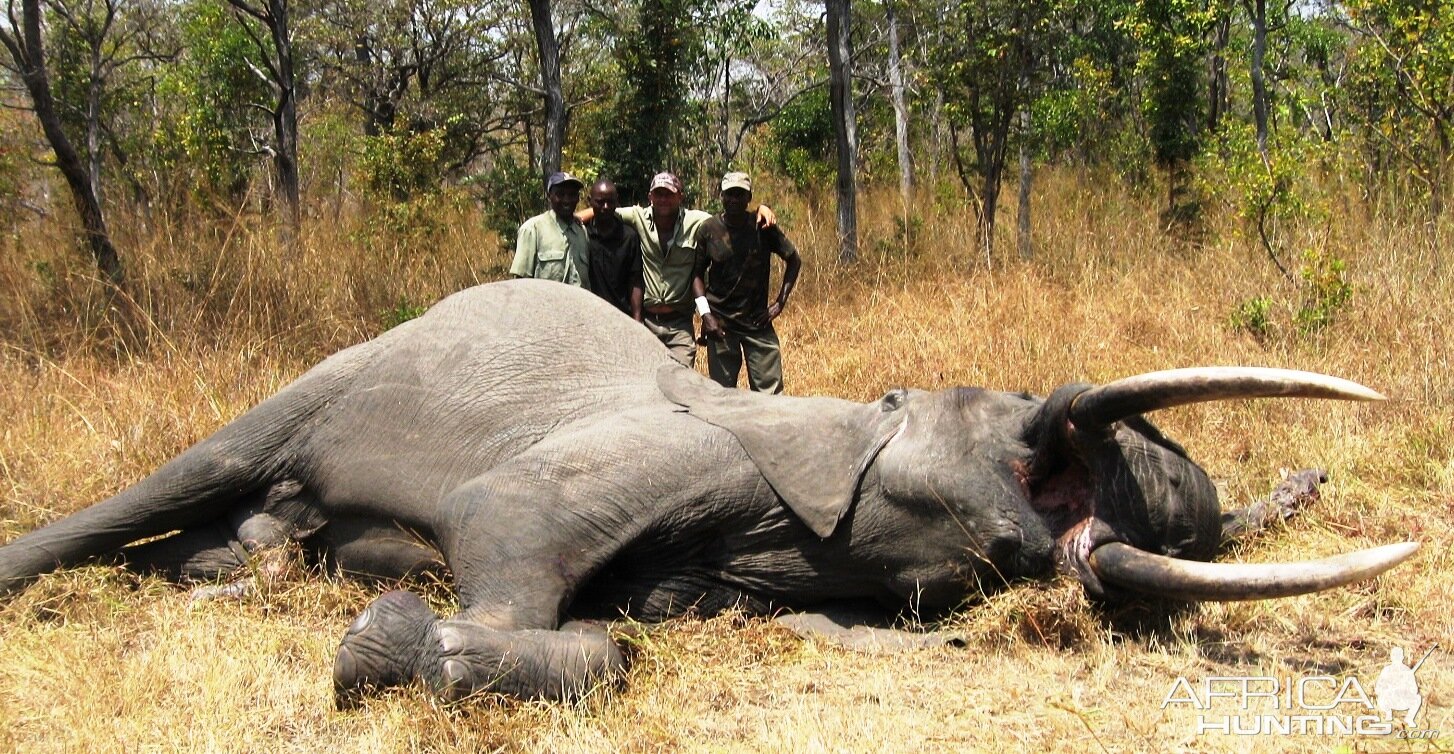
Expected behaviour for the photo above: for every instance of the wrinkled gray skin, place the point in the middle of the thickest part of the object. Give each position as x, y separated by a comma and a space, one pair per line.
551, 453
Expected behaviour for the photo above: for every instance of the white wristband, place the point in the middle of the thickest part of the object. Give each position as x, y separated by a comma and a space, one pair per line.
703, 308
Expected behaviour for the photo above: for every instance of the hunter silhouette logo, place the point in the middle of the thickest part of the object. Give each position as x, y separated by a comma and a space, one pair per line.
1397, 687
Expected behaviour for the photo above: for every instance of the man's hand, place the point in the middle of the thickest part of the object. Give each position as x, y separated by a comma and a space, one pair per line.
773, 310
766, 218
711, 328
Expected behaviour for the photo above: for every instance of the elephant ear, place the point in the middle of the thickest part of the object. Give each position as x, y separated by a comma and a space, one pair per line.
812, 451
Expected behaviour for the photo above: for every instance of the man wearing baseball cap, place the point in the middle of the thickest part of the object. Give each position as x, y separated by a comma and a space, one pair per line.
671, 266
736, 282
553, 245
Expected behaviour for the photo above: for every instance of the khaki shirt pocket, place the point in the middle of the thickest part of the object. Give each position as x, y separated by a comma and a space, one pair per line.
550, 263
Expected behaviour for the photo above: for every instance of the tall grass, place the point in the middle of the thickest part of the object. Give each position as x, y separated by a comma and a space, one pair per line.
93, 660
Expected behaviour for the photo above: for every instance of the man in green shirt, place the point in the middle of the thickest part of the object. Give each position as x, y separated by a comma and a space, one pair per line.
671, 267
737, 282
553, 244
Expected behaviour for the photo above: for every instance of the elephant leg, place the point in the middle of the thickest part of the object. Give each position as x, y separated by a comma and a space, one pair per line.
244, 537
205, 553
398, 640
377, 551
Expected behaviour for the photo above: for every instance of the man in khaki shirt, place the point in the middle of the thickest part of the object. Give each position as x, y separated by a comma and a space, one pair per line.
671, 266
553, 244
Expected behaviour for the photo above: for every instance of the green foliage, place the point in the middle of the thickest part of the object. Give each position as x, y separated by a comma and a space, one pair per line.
403, 163
1267, 195
213, 97
15, 166
1171, 36
1399, 87
1325, 291
1322, 293
417, 67
800, 140
653, 56
509, 192
1254, 317
68, 56
402, 312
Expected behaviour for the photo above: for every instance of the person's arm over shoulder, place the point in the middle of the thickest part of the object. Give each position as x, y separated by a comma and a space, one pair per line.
633, 217
523, 266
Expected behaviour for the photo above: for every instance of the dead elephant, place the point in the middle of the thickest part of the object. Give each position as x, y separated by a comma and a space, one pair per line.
563, 466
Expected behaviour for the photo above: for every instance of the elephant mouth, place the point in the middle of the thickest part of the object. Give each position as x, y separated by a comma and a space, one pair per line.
1127, 567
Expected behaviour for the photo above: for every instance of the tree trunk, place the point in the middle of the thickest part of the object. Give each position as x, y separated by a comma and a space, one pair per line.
901, 113
555, 115
1440, 173
285, 118
940, 142
991, 142
28, 53
274, 17
845, 128
990, 195
1258, 10
93, 129
1217, 83
1023, 240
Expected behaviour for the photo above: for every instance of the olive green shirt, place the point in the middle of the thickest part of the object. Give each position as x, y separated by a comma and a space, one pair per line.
667, 265
552, 249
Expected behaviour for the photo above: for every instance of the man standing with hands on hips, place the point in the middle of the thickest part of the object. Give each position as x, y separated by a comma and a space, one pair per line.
737, 281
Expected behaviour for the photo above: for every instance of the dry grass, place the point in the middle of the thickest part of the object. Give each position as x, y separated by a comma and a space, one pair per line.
93, 660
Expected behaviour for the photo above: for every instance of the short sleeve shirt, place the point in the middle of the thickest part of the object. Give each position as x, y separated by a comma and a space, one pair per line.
615, 263
737, 285
551, 249
667, 265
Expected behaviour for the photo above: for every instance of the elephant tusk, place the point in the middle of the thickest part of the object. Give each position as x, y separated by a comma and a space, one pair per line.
1132, 568
1103, 405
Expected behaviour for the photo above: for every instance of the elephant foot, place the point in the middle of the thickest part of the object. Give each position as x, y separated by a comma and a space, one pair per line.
391, 643
530, 664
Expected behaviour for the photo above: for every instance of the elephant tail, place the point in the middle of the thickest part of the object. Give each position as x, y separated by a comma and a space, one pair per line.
202, 484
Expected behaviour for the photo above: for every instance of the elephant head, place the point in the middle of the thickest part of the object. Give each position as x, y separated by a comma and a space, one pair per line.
1155, 514
980, 481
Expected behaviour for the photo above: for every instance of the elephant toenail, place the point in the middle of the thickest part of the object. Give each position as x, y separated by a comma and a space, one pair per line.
345, 667
456, 676
362, 621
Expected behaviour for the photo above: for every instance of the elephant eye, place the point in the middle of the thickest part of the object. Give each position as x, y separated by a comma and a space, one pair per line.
893, 399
